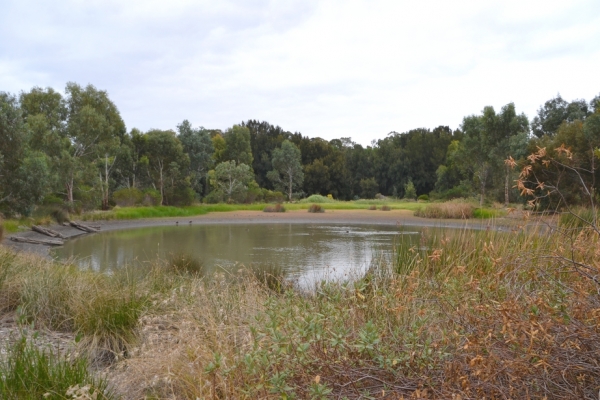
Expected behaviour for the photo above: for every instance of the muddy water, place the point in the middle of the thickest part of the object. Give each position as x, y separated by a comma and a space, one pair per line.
305, 251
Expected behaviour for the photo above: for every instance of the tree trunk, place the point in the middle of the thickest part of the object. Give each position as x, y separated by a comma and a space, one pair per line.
69, 188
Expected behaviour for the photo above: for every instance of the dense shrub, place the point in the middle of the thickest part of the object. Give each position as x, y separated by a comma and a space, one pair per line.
214, 197
385, 208
128, 197
151, 197
271, 196
372, 207
315, 208
423, 197
317, 198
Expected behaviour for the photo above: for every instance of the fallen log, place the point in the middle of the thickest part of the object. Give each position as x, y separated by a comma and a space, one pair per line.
47, 242
47, 232
82, 227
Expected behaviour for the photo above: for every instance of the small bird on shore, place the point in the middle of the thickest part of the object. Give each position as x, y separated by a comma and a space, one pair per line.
176, 222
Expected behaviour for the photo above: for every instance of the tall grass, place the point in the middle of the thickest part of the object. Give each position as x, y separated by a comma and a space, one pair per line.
102, 309
28, 372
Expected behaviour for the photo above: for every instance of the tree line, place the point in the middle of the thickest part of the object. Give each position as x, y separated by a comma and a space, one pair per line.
74, 150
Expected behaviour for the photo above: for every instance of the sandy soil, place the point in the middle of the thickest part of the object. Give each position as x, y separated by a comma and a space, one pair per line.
377, 217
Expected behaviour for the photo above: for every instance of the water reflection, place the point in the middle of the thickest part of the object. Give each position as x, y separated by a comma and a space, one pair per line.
305, 251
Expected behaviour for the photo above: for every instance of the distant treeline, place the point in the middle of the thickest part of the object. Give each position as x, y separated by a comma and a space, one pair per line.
75, 151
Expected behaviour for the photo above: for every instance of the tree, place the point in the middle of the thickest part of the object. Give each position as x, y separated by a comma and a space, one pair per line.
233, 179
166, 159
94, 129
287, 173
368, 188
552, 114
198, 145
238, 149
24, 174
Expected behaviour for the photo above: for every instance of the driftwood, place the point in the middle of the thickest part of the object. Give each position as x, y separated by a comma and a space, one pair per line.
46, 231
47, 242
85, 228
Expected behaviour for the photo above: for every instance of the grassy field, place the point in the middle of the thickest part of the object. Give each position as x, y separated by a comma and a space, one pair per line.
466, 314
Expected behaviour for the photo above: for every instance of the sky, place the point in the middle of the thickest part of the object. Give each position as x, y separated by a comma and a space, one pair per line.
328, 69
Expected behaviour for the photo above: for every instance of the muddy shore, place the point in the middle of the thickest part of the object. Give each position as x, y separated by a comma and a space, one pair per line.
374, 217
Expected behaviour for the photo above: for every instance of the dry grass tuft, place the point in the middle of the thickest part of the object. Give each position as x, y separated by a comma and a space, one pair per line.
447, 210
276, 208
315, 208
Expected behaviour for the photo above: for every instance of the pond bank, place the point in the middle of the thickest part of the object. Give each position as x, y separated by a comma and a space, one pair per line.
373, 217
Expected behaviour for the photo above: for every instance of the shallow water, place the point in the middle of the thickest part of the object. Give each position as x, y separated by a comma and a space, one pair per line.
304, 251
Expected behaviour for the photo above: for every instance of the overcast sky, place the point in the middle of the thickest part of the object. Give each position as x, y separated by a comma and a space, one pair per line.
324, 68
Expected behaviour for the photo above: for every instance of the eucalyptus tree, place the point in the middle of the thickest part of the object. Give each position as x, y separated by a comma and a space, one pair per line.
23, 173
232, 179
166, 159
237, 145
287, 173
95, 130
198, 145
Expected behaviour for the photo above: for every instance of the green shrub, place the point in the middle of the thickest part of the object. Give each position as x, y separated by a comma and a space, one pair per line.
423, 197
276, 208
128, 197
28, 372
214, 197
410, 192
273, 196
181, 196
151, 197
315, 208
317, 198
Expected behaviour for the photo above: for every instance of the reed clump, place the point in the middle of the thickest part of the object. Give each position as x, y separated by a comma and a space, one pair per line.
28, 372
448, 210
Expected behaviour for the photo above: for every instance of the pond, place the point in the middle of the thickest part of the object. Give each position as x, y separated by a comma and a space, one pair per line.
306, 252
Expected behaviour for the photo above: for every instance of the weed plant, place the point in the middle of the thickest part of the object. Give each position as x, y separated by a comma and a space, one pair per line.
28, 372
372, 207
385, 207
